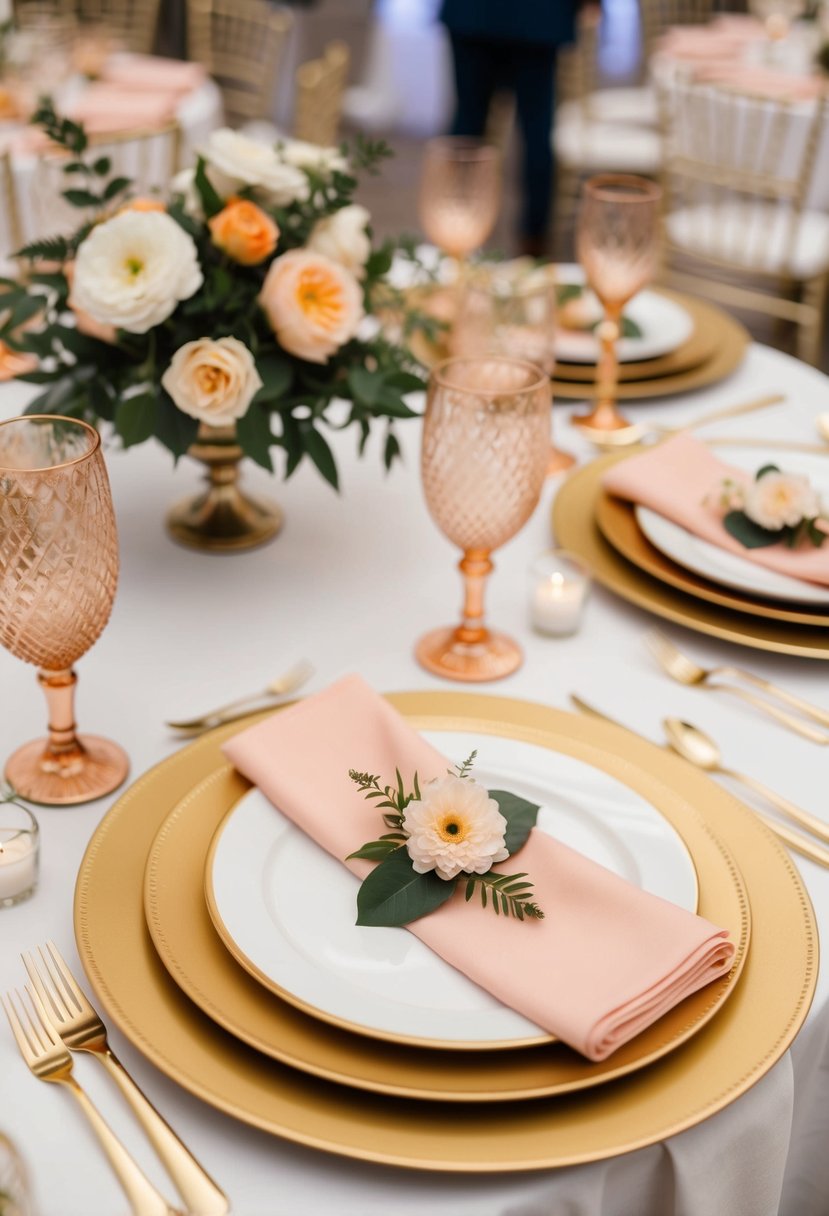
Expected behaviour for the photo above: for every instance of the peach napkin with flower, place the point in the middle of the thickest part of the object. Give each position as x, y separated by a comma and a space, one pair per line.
607, 960
681, 479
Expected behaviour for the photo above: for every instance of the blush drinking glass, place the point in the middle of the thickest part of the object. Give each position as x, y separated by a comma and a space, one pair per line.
483, 463
58, 572
460, 194
618, 244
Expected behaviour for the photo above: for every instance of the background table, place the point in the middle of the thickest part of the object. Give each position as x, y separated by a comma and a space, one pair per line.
191, 630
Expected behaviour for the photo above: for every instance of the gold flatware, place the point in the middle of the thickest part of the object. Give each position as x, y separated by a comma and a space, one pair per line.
700, 749
289, 682
638, 431
80, 1028
793, 839
49, 1060
685, 671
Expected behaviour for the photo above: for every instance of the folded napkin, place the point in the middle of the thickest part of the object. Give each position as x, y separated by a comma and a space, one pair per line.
607, 960
105, 108
692, 42
150, 73
768, 82
675, 479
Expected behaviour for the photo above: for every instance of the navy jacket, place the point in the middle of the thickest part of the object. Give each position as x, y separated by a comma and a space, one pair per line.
544, 22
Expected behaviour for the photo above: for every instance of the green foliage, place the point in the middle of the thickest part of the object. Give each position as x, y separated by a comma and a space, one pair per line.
394, 894
509, 896
520, 815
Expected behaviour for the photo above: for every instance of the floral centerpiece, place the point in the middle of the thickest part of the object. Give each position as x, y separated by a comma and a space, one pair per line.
225, 322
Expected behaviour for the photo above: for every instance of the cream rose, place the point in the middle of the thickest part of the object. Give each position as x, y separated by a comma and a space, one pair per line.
133, 270
455, 828
313, 305
780, 500
303, 155
342, 237
242, 161
213, 380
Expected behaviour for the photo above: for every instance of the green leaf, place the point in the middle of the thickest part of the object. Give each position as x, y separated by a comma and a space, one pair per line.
175, 429
376, 850
50, 249
767, 468
520, 815
317, 448
277, 376
391, 451
568, 291
81, 198
135, 418
116, 186
365, 385
101, 166
406, 382
748, 533
210, 200
629, 328
253, 431
394, 894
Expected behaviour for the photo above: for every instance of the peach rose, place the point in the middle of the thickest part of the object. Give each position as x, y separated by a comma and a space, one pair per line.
84, 323
244, 232
143, 204
213, 380
313, 304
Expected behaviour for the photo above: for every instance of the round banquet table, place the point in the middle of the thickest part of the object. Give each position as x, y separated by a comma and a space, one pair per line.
190, 630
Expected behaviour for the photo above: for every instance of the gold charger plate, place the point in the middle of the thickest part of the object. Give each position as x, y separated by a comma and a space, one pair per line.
575, 527
189, 946
706, 337
722, 1061
618, 524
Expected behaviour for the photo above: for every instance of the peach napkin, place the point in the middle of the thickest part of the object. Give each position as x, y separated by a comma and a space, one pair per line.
153, 73
676, 477
607, 960
693, 42
767, 82
105, 108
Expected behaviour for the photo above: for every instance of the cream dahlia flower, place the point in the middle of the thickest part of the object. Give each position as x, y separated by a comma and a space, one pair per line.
313, 305
780, 500
455, 828
242, 161
312, 156
213, 380
342, 237
133, 270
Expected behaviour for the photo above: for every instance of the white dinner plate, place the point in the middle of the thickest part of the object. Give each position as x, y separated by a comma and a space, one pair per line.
384, 981
664, 326
730, 569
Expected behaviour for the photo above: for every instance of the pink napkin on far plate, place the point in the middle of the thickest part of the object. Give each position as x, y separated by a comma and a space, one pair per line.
607, 960
701, 42
152, 73
681, 479
104, 108
767, 82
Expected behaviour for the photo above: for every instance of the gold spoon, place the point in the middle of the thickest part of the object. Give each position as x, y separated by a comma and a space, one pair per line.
700, 749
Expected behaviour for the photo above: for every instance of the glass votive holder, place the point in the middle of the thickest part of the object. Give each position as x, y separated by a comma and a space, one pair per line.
19, 853
559, 583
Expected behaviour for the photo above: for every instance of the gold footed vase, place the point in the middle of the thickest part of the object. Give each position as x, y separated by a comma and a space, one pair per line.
222, 519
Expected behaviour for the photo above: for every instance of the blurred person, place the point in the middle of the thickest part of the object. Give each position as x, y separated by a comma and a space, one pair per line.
512, 45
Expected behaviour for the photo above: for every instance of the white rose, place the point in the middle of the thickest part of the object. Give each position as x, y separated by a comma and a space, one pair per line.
212, 380
342, 237
780, 500
455, 828
133, 270
247, 162
303, 155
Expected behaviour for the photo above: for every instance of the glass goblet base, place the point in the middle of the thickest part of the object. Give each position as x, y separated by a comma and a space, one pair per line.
98, 767
444, 654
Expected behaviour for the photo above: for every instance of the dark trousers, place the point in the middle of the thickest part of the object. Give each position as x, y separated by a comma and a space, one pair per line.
527, 70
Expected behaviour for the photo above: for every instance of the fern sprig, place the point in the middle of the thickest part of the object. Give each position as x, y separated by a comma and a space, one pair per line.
510, 896
463, 770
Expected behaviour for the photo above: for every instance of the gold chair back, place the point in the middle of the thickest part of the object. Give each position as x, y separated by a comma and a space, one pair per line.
241, 43
148, 157
131, 22
655, 16
320, 86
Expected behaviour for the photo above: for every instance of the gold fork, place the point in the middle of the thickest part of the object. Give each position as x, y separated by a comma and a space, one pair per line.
637, 431
685, 671
81, 1029
290, 681
49, 1060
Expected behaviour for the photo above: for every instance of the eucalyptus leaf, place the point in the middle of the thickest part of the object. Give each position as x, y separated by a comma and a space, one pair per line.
253, 431
767, 468
748, 533
520, 815
395, 894
317, 448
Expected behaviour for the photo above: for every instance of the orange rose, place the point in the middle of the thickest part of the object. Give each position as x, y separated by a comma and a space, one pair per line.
143, 204
244, 232
313, 305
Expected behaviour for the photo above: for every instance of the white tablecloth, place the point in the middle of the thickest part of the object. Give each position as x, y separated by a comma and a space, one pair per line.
351, 583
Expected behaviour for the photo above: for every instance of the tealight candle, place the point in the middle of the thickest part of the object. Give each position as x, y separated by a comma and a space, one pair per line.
19, 854
559, 583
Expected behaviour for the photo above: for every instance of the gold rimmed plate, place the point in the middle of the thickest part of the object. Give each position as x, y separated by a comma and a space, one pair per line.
575, 525
720, 1062
189, 947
